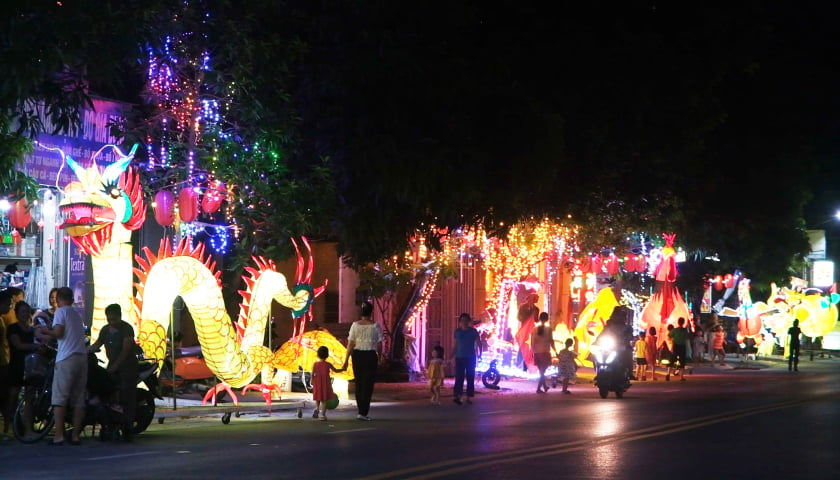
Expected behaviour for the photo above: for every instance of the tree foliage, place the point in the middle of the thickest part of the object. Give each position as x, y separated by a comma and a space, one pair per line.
628, 117
53, 54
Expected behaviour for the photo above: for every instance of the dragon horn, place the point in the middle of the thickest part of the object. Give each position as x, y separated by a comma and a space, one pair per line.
113, 171
77, 169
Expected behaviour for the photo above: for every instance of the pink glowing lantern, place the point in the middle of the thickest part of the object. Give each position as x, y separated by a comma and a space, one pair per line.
212, 201
188, 205
165, 208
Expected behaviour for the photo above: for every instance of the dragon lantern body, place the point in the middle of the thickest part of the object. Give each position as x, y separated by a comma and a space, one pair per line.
101, 209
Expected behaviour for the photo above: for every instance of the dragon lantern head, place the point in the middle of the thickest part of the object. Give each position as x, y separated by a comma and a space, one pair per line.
102, 206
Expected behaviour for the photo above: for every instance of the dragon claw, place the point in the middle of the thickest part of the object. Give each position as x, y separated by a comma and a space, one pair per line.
264, 389
213, 392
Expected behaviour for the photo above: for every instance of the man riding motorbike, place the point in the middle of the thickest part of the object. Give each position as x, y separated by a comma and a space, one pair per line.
617, 328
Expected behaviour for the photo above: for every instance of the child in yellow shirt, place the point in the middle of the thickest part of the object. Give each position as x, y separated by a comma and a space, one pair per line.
434, 372
641, 361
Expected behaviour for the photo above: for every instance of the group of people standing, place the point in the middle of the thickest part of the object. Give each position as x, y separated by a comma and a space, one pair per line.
61, 328
17, 340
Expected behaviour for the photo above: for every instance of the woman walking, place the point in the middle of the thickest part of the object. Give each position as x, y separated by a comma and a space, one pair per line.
363, 344
542, 344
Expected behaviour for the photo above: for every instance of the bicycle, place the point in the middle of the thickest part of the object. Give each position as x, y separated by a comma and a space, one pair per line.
37, 398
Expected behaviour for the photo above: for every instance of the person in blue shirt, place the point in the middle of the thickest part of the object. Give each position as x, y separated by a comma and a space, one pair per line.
467, 347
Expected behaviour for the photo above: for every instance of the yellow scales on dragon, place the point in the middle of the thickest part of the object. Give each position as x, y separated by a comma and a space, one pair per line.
102, 208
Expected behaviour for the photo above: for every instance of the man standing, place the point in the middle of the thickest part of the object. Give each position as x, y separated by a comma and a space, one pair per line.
679, 338
70, 373
793, 359
118, 339
467, 346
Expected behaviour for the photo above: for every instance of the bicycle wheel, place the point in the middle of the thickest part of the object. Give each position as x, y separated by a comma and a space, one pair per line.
40, 420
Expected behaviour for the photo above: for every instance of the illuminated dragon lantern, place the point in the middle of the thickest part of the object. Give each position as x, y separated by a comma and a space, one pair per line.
666, 305
101, 209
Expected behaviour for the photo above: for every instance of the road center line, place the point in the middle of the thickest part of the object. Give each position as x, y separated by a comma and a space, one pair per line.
494, 412
125, 455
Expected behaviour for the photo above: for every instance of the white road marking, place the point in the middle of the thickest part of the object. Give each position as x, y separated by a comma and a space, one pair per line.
349, 431
494, 412
137, 454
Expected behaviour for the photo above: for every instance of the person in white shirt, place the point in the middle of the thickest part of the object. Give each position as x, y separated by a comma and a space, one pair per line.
70, 377
363, 344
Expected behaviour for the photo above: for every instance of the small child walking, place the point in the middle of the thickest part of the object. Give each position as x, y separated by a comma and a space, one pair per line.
434, 372
322, 383
566, 364
641, 360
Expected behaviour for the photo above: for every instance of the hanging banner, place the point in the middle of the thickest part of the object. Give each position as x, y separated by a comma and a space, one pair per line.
45, 165
706, 303
77, 277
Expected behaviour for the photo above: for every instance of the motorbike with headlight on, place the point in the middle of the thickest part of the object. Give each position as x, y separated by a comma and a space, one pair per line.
611, 374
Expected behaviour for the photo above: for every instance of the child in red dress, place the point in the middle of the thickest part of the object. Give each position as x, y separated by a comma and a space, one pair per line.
322, 383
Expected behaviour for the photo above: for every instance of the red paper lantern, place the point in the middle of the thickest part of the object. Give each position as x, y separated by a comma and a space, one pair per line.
165, 208
729, 280
597, 265
188, 204
718, 283
212, 201
19, 215
612, 264
641, 263
630, 263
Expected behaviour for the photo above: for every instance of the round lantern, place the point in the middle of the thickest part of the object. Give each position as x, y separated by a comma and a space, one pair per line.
641, 263
212, 201
188, 205
165, 208
728, 281
630, 263
596, 264
718, 283
19, 215
612, 265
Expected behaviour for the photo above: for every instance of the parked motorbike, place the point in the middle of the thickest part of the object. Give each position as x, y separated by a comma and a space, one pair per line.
189, 372
610, 371
34, 410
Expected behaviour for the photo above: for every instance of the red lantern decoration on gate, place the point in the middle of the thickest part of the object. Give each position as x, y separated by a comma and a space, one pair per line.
641, 263
612, 264
718, 283
188, 204
596, 265
165, 208
19, 215
630, 264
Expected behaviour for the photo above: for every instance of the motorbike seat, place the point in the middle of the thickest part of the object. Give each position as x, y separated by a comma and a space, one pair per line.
194, 351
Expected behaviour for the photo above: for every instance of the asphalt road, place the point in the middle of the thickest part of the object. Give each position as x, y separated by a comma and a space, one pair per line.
738, 424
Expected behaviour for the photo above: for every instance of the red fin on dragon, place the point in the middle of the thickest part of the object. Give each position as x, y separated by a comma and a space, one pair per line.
101, 209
